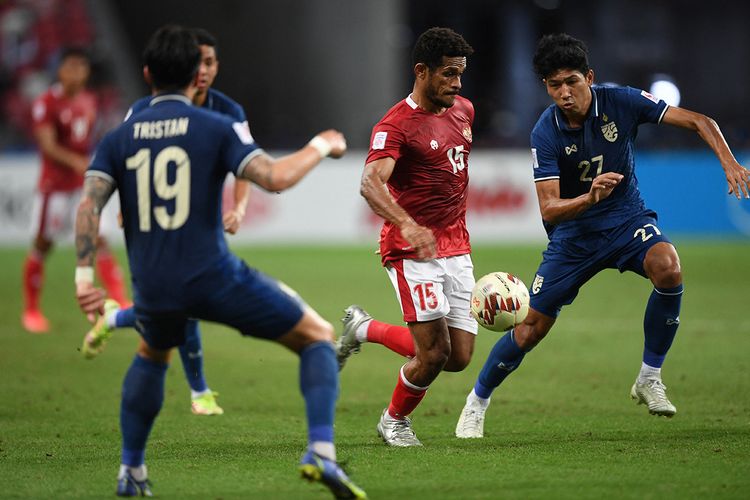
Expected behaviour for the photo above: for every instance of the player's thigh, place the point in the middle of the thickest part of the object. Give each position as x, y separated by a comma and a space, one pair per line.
161, 330
310, 329
459, 282
53, 215
634, 243
566, 265
419, 288
249, 301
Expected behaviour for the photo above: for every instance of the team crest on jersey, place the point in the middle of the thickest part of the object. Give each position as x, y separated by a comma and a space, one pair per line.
610, 131
467, 133
537, 284
433, 144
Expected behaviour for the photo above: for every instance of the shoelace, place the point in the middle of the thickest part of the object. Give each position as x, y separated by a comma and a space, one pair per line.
658, 388
402, 429
473, 419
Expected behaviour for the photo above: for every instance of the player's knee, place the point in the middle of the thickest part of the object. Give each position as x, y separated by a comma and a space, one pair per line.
42, 245
457, 361
528, 335
437, 356
664, 269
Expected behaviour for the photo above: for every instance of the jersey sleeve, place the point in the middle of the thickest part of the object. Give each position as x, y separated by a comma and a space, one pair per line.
387, 141
136, 107
42, 112
239, 147
544, 156
103, 164
647, 108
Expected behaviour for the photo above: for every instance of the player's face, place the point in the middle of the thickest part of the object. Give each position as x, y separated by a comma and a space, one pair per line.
570, 89
444, 82
208, 69
73, 73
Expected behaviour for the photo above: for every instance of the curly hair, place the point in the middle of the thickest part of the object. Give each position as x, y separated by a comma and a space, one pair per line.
560, 51
435, 43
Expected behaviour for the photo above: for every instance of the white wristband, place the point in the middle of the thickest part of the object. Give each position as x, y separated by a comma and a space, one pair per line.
84, 274
323, 146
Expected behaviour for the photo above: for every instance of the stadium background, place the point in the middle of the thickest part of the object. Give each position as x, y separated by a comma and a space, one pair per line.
300, 66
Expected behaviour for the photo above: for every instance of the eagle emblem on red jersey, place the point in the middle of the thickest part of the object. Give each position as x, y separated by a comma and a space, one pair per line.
467, 133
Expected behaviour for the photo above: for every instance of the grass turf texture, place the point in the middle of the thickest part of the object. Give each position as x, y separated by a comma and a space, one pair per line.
561, 427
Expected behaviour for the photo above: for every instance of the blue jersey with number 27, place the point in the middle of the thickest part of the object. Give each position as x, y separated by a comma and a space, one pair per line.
604, 143
169, 162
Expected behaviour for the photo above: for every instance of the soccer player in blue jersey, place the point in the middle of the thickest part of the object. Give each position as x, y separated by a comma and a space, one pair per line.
202, 398
582, 147
168, 163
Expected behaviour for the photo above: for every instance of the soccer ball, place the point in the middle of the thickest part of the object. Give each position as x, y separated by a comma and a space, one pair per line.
499, 301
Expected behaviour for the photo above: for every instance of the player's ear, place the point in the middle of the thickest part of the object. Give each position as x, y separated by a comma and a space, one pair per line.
590, 76
147, 75
420, 70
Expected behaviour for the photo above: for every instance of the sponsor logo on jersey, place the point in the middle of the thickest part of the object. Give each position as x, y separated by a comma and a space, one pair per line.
378, 142
537, 284
610, 131
534, 159
649, 96
433, 144
467, 133
571, 149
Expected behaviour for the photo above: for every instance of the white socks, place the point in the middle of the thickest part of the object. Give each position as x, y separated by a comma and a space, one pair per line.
197, 394
324, 449
472, 398
361, 332
648, 372
139, 473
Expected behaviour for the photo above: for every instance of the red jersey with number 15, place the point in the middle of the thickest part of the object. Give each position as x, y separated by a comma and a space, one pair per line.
431, 177
73, 119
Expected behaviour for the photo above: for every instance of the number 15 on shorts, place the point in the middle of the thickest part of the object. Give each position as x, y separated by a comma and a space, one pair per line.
425, 296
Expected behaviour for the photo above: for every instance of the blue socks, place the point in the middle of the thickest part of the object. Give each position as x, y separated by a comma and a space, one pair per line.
125, 318
142, 397
660, 324
503, 359
191, 353
319, 383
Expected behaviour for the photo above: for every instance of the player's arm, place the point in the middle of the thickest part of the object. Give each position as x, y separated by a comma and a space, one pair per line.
233, 218
738, 177
279, 174
96, 192
555, 209
46, 138
373, 189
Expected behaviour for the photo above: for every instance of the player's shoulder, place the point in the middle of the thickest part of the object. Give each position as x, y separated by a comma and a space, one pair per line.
219, 101
618, 93
546, 125
464, 104
400, 114
138, 106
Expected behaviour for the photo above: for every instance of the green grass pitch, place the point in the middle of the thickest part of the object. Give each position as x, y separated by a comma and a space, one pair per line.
562, 426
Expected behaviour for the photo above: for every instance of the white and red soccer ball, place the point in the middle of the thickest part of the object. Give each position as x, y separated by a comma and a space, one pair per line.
499, 301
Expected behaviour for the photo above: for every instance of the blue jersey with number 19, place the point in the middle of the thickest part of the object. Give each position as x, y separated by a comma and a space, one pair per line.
604, 143
169, 162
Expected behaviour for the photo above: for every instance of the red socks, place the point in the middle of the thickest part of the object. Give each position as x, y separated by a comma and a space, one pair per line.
33, 277
406, 397
111, 276
396, 338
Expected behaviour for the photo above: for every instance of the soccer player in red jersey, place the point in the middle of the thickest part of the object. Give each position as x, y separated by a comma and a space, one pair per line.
63, 120
416, 178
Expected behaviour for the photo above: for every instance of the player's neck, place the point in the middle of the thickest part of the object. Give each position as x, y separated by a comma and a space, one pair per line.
199, 99
426, 104
71, 90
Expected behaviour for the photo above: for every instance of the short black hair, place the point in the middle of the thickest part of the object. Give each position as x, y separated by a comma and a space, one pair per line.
75, 51
204, 37
435, 43
172, 56
560, 51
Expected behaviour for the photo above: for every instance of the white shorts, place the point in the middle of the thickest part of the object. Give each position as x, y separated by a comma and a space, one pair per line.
433, 289
53, 215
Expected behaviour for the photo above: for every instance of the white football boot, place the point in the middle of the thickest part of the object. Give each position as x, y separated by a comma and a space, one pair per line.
397, 432
471, 422
348, 344
652, 392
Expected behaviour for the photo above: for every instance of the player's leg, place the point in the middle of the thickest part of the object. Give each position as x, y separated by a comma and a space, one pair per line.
360, 327
43, 215
110, 273
650, 254
461, 325
202, 398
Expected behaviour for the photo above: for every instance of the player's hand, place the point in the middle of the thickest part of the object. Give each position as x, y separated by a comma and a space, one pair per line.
90, 300
603, 186
738, 179
337, 141
420, 239
232, 220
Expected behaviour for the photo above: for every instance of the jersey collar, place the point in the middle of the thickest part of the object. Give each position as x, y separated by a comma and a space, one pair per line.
593, 113
170, 97
412, 104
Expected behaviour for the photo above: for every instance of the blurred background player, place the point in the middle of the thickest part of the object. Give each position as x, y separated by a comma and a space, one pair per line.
64, 119
584, 170
416, 178
202, 398
176, 154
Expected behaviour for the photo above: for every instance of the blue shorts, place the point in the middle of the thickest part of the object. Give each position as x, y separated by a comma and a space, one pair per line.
569, 263
237, 296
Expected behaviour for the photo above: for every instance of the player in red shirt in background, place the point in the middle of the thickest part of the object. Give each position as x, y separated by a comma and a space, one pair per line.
416, 178
63, 119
